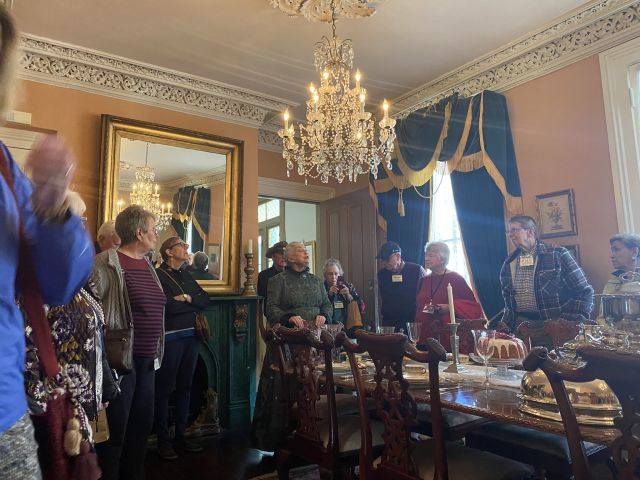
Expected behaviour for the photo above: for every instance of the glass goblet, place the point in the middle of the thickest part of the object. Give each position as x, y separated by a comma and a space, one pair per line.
413, 329
484, 347
382, 329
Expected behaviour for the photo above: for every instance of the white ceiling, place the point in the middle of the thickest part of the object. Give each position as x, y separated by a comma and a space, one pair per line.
169, 163
249, 44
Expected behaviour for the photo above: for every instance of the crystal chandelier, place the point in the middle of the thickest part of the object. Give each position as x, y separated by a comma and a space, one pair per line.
145, 193
338, 140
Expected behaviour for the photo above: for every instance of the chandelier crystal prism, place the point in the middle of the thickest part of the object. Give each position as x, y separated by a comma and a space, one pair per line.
338, 141
145, 193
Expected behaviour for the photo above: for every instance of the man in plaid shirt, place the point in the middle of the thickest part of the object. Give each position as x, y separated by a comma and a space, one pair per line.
541, 282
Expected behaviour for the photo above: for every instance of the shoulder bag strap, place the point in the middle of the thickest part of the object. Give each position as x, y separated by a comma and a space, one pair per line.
171, 278
27, 283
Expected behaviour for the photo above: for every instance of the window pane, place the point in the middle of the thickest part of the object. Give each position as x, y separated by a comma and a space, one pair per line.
444, 223
259, 253
273, 235
273, 209
262, 213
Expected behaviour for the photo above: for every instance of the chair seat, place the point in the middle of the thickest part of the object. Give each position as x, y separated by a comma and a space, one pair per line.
469, 463
349, 433
517, 437
346, 404
456, 424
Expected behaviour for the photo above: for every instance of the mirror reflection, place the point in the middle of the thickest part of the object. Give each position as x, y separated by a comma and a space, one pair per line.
190, 180
185, 188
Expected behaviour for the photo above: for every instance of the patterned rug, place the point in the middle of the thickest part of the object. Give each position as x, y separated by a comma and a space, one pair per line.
300, 473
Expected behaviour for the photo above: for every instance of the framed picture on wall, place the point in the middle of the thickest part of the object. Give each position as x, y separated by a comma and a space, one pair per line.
311, 251
213, 252
574, 250
557, 214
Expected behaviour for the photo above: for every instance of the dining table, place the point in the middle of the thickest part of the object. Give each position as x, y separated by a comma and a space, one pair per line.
466, 392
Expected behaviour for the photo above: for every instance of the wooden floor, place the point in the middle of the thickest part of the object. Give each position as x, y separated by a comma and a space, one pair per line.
225, 457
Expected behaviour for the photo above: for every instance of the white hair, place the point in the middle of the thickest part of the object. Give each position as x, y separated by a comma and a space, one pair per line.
288, 250
107, 228
333, 262
439, 248
75, 203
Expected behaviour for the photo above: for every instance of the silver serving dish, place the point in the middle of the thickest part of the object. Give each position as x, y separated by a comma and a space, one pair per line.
593, 402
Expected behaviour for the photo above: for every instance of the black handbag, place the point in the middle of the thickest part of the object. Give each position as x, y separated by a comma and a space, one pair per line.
119, 347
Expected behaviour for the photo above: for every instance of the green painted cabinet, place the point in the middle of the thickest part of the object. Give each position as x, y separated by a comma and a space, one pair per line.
230, 357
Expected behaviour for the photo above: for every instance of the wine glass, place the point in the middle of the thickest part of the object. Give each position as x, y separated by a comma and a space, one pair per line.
333, 329
413, 329
485, 347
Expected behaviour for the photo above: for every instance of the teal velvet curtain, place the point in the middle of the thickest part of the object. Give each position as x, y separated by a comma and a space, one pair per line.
473, 135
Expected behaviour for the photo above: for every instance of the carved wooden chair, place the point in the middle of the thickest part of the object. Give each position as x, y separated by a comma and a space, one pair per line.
619, 370
321, 436
456, 424
550, 333
402, 458
547, 452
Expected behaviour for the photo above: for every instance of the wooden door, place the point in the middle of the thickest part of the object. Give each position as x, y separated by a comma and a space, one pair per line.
347, 231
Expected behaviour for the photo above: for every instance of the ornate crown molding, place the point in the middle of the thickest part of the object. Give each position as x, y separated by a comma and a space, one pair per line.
268, 138
591, 29
60, 64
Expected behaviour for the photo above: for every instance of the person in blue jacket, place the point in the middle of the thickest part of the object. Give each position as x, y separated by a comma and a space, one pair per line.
62, 254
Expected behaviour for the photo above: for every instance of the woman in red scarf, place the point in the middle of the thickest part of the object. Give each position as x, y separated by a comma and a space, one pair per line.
432, 306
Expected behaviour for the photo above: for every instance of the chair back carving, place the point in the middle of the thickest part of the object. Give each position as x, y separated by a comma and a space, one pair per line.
395, 405
616, 368
550, 333
308, 356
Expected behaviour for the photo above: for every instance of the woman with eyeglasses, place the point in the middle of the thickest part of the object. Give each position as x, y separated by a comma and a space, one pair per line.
185, 299
131, 295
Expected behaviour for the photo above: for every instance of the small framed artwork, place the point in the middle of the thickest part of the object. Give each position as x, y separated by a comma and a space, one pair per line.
213, 252
574, 250
557, 214
311, 251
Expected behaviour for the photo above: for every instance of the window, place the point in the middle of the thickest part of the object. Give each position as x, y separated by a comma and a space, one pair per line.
444, 225
620, 70
270, 226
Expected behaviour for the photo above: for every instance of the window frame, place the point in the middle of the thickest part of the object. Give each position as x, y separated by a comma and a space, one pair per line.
619, 93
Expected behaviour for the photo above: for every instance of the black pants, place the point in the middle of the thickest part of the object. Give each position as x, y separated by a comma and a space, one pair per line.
175, 374
130, 418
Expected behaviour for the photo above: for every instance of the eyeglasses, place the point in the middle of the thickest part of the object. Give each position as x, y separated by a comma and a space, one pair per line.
514, 230
181, 244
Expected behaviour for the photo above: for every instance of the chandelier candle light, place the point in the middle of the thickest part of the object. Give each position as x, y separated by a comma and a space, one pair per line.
338, 141
146, 194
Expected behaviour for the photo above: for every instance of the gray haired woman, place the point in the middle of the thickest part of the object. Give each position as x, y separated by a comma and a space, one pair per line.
295, 298
131, 294
341, 294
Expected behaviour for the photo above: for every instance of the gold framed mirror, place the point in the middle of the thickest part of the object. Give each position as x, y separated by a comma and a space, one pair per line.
192, 181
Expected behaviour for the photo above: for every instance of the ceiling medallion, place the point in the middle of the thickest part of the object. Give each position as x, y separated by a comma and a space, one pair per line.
322, 10
338, 140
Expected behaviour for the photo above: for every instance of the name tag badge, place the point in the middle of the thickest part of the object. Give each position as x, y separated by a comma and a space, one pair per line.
338, 305
396, 278
526, 260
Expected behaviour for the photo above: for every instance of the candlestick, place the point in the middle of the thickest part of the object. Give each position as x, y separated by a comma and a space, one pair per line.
455, 366
249, 286
452, 312
286, 119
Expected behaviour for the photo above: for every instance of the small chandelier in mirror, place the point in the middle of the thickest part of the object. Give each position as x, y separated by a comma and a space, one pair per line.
338, 141
146, 194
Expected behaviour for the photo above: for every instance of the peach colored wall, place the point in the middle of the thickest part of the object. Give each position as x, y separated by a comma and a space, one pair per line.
560, 138
272, 165
75, 115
